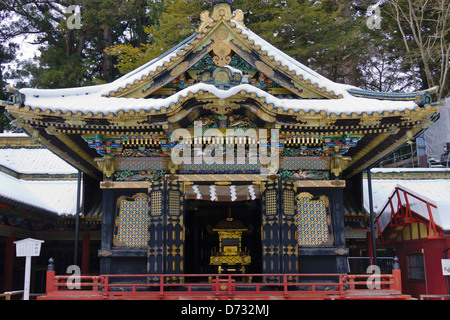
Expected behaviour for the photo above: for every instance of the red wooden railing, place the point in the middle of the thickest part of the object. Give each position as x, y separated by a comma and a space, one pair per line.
229, 286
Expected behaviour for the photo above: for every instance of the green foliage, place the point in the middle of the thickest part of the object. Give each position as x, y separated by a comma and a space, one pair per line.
324, 35
170, 22
179, 20
73, 57
331, 37
7, 55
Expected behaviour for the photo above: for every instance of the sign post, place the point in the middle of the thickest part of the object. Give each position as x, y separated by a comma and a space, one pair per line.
28, 248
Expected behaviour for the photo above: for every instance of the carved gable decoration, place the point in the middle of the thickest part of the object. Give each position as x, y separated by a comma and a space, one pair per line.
221, 38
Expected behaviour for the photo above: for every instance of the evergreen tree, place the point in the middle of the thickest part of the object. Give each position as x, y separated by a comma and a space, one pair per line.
323, 35
7, 55
68, 56
331, 37
320, 34
171, 21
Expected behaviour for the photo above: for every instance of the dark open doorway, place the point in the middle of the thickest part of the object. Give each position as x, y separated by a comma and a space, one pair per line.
202, 216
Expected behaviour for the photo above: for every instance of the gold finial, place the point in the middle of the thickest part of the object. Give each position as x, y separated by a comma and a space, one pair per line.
221, 9
238, 16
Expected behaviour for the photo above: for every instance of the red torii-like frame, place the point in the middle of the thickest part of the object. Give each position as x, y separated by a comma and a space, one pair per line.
403, 214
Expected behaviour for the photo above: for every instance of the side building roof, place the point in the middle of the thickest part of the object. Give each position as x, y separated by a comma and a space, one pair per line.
431, 185
34, 177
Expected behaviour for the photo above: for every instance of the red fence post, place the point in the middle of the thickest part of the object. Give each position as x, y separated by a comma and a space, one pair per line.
397, 273
50, 276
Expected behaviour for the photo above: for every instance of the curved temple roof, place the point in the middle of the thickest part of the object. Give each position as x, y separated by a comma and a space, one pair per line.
106, 98
78, 100
146, 100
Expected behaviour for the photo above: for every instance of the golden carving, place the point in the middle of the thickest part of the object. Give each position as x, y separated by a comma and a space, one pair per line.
106, 165
222, 55
325, 200
173, 168
409, 137
341, 251
221, 77
221, 10
221, 33
205, 19
104, 253
304, 195
239, 17
339, 163
221, 106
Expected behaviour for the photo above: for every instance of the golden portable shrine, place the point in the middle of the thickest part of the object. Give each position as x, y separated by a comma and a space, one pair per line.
230, 256
162, 217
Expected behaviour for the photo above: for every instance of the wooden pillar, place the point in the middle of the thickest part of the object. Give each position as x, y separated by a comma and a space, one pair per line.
86, 253
372, 217
9, 262
271, 230
339, 230
369, 245
107, 231
289, 249
156, 241
174, 225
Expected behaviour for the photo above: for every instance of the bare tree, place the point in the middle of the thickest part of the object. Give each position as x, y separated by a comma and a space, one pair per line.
424, 26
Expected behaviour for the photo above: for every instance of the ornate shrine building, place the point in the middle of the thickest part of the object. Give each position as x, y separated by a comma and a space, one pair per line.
215, 101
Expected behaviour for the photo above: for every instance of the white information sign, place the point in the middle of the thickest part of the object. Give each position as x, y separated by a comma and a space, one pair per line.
446, 267
28, 248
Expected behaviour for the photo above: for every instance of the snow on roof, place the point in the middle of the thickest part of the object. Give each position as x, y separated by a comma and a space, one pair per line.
105, 89
10, 134
96, 103
55, 196
406, 170
152, 65
34, 161
294, 65
93, 98
436, 191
